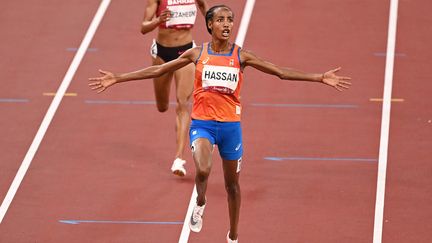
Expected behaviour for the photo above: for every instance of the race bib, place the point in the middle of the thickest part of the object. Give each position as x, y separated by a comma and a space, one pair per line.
220, 78
182, 15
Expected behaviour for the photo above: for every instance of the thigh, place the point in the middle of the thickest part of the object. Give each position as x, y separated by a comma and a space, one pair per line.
162, 84
202, 129
202, 150
184, 80
231, 169
229, 141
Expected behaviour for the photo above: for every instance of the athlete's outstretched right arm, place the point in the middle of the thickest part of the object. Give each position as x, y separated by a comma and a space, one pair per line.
108, 79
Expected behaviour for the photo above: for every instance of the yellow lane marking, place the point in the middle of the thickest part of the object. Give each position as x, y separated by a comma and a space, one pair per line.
380, 100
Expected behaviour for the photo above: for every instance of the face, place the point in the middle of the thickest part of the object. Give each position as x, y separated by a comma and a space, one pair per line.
222, 24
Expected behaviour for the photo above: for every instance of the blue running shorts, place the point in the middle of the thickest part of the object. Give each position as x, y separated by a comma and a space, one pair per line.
226, 135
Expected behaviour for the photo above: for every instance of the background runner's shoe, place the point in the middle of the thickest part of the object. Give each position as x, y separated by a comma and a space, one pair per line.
231, 241
195, 222
178, 168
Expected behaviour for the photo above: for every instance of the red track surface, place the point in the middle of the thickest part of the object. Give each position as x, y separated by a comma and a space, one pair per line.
111, 162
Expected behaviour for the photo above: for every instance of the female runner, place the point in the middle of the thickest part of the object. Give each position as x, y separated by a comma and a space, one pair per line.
216, 110
174, 20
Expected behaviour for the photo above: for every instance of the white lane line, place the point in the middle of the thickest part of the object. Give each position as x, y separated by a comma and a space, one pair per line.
247, 13
184, 236
53, 108
244, 23
385, 123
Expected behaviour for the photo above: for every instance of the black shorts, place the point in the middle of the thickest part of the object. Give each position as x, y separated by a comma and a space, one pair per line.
168, 53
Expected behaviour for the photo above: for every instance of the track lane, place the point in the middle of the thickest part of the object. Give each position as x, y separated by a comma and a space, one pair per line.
101, 166
313, 201
407, 214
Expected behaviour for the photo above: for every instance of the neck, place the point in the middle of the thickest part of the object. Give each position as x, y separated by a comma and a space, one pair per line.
219, 46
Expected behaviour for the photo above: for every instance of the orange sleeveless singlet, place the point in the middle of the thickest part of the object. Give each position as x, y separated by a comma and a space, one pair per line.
218, 81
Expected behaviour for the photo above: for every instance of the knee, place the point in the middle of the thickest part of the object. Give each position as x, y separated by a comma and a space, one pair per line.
162, 107
202, 174
182, 105
233, 189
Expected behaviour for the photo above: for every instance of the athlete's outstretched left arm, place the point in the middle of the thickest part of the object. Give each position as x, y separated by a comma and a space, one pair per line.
330, 78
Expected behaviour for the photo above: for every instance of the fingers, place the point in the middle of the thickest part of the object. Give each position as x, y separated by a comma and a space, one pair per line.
345, 86
97, 86
165, 15
101, 90
93, 85
340, 83
348, 84
338, 89
344, 78
100, 84
335, 70
105, 73
342, 86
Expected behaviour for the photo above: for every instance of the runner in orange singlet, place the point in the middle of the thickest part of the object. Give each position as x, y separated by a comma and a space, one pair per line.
217, 110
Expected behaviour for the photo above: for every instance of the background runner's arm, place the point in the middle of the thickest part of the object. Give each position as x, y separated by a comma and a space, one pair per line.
150, 21
203, 6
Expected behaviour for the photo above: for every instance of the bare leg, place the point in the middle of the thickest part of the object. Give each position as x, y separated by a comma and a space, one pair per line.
162, 86
232, 187
184, 78
202, 154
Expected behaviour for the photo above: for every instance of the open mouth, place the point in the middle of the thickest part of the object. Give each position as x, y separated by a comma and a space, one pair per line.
225, 33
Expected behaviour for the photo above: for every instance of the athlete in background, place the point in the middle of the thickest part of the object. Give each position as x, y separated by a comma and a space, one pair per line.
174, 20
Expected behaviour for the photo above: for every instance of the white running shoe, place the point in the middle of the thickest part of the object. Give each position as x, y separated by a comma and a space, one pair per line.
178, 168
231, 241
195, 222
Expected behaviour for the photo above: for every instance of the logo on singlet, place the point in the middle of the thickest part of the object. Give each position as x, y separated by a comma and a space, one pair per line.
206, 60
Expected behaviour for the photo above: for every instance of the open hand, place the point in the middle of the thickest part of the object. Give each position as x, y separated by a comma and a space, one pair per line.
102, 83
338, 82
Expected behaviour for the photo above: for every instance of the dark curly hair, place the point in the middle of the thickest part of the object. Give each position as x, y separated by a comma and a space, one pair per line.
210, 13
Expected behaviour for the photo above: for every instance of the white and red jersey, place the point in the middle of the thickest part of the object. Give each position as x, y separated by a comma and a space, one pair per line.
183, 13
218, 81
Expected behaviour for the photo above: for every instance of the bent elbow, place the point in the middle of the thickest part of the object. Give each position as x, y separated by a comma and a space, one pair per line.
143, 31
